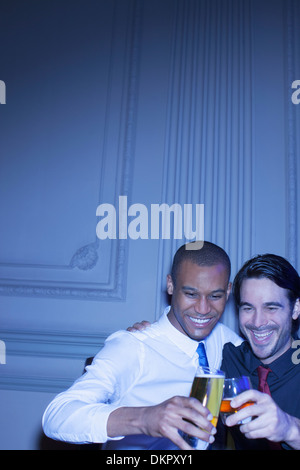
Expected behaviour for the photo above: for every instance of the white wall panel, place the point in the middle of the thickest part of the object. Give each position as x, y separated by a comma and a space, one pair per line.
209, 150
49, 247
292, 64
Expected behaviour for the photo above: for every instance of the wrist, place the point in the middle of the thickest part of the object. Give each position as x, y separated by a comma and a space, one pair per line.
293, 434
137, 420
126, 420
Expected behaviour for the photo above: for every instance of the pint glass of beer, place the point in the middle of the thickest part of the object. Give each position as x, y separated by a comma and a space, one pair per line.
232, 388
208, 389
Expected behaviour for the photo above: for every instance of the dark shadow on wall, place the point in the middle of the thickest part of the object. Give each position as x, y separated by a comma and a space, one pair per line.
45, 443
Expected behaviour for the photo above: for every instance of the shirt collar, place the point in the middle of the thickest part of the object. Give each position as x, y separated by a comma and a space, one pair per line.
184, 342
277, 366
251, 361
282, 363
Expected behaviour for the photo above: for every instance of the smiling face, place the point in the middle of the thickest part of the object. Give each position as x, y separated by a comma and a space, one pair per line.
198, 298
266, 315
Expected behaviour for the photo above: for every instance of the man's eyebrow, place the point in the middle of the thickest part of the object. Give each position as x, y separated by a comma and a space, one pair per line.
193, 289
274, 304
266, 304
189, 288
247, 304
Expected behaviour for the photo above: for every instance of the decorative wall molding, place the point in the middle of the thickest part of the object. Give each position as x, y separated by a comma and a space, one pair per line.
34, 384
208, 146
39, 345
67, 345
292, 66
46, 280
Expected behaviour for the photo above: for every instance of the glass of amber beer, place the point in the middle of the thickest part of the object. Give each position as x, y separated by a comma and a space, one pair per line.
208, 389
232, 388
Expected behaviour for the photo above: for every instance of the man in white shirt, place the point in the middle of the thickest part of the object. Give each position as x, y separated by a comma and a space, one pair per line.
136, 392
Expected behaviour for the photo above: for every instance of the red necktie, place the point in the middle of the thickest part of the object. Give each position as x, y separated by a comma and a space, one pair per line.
262, 378
264, 387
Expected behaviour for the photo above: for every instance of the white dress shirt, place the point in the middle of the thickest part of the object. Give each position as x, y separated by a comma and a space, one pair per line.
141, 368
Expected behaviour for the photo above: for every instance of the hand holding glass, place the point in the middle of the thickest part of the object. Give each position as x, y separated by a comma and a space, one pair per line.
232, 388
208, 389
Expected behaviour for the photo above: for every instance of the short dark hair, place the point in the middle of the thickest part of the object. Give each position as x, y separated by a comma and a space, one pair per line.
201, 253
273, 267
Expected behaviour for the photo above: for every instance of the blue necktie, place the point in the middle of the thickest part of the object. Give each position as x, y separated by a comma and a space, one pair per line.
202, 355
203, 362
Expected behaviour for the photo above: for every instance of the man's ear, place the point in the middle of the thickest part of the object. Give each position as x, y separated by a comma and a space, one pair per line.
296, 310
170, 284
228, 290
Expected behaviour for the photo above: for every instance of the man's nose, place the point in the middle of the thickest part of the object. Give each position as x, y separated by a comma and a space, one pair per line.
202, 306
259, 319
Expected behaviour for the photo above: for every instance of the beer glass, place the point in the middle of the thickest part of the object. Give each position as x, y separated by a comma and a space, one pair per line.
208, 389
232, 388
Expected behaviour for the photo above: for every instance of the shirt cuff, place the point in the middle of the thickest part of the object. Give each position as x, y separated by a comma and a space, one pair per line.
99, 426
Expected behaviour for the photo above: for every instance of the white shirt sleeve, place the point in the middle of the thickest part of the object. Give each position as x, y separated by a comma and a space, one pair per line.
80, 414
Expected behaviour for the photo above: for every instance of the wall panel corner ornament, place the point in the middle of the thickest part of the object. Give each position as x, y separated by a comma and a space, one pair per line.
85, 257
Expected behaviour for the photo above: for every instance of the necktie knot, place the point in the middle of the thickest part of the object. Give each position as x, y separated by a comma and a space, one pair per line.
262, 379
202, 358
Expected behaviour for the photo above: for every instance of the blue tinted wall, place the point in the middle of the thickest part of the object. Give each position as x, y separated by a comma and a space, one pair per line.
161, 101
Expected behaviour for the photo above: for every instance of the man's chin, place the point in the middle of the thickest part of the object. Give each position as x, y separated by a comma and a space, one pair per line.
262, 352
200, 334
